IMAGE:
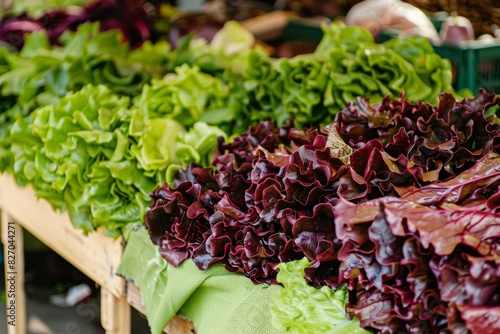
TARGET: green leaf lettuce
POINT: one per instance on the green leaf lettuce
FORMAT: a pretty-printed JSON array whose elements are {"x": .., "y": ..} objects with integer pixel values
[{"x": 301, "y": 309}]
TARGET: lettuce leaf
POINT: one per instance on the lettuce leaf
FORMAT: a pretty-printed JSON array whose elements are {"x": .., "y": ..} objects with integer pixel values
[
  {"x": 302, "y": 309},
  {"x": 187, "y": 96},
  {"x": 77, "y": 155},
  {"x": 427, "y": 261},
  {"x": 196, "y": 146},
  {"x": 40, "y": 74}
]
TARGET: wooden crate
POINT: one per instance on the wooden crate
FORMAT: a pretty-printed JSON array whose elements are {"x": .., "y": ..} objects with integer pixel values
[{"x": 96, "y": 255}]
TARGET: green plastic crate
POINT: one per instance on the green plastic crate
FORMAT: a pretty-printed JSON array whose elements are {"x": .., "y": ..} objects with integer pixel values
[
  {"x": 476, "y": 65},
  {"x": 299, "y": 29}
]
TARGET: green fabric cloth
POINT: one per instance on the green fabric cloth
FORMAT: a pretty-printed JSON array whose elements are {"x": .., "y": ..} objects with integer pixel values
[{"x": 215, "y": 300}]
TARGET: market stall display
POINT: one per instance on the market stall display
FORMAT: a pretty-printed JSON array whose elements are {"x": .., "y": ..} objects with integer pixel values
[
  {"x": 482, "y": 14},
  {"x": 345, "y": 178}
]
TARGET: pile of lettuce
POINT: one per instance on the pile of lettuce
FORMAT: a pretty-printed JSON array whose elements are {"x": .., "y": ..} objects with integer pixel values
[
  {"x": 280, "y": 194},
  {"x": 92, "y": 155},
  {"x": 77, "y": 155},
  {"x": 41, "y": 74},
  {"x": 347, "y": 63},
  {"x": 399, "y": 145},
  {"x": 428, "y": 261}
]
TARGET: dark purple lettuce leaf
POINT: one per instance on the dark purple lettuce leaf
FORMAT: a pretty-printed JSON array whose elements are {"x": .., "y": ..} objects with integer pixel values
[
  {"x": 400, "y": 146},
  {"x": 481, "y": 319},
  {"x": 238, "y": 215},
  {"x": 422, "y": 254},
  {"x": 476, "y": 185},
  {"x": 178, "y": 221},
  {"x": 409, "y": 221}
]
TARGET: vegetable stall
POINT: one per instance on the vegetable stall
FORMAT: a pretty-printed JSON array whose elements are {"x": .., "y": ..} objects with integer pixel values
[{"x": 351, "y": 189}]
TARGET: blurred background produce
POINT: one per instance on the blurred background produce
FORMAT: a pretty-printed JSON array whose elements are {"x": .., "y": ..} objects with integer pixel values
[
  {"x": 161, "y": 19},
  {"x": 483, "y": 14},
  {"x": 376, "y": 15}
]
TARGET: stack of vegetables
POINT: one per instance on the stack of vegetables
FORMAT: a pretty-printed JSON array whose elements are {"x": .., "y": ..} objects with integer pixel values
[
  {"x": 155, "y": 98},
  {"x": 38, "y": 77},
  {"x": 396, "y": 202},
  {"x": 311, "y": 89},
  {"x": 251, "y": 179}
]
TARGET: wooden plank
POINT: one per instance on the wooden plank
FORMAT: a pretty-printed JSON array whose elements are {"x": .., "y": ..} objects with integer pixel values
[
  {"x": 268, "y": 26},
  {"x": 96, "y": 255},
  {"x": 178, "y": 325},
  {"x": 134, "y": 297},
  {"x": 12, "y": 239},
  {"x": 115, "y": 313}
]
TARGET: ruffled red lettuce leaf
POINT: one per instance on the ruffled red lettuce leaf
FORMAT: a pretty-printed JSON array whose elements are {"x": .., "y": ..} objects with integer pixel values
[
  {"x": 399, "y": 145},
  {"x": 282, "y": 194},
  {"x": 178, "y": 220},
  {"x": 230, "y": 215},
  {"x": 422, "y": 254},
  {"x": 476, "y": 185},
  {"x": 480, "y": 319}
]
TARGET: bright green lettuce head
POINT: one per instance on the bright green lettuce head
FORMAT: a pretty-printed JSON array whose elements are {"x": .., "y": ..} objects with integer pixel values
[
  {"x": 361, "y": 67},
  {"x": 76, "y": 153},
  {"x": 303, "y": 309},
  {"x": 41, "y": 74},
  {"x": 187, "y": 96}
]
